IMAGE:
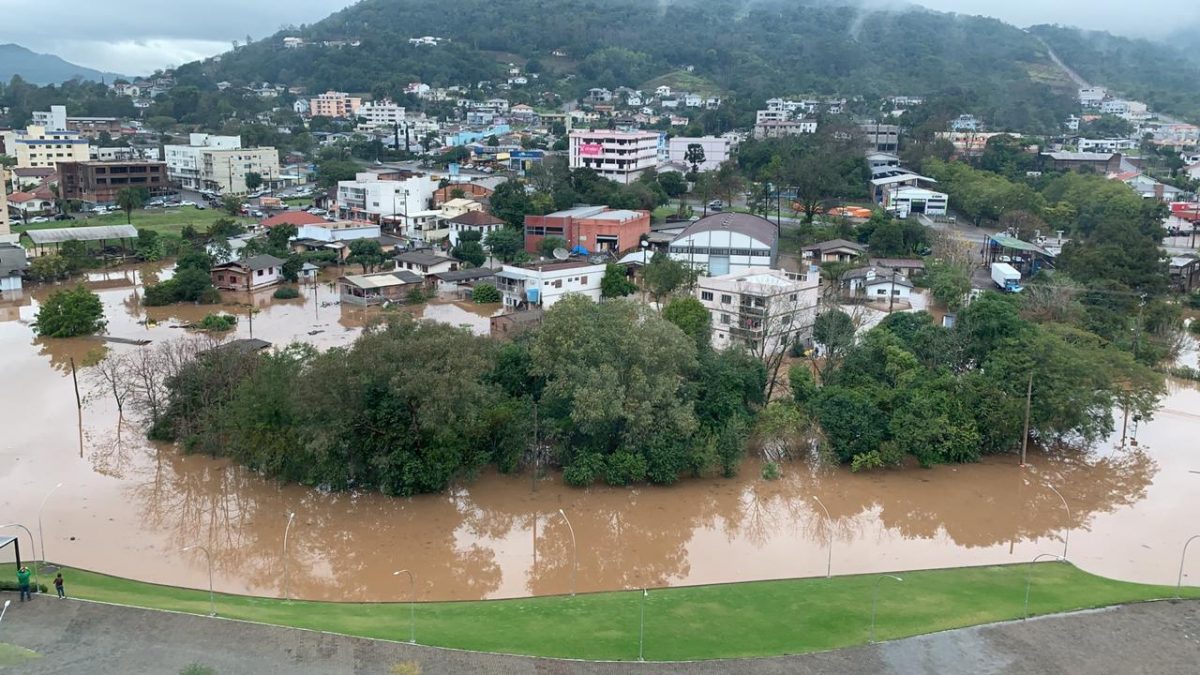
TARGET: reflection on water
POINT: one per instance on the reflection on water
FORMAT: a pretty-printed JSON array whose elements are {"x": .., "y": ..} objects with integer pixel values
[{"x": 128, "y": 506}]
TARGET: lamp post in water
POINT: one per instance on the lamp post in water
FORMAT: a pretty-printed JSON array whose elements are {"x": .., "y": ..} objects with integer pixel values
[
  {"x": 212, "y": 605},
  {"x": 574, "y": 551},
  {"x": 1067, "y": 529},
  {"x": 875, "y": 601},
  {"x": 1182, "y": 558},
  {"x": 291, "y": 517},
  {"x": 1029, "y": 578},
  {"x": 829, "y": 562},
  {"x": 41, "y": 539},
  {"x": 412, "y": 600}
]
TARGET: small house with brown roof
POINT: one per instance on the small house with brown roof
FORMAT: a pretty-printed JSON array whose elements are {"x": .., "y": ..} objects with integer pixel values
[
  {"x": 296, "y": 218},
  {"x": 251, "y": 274},
  {"x": 834, "y": 250},
  {"x": 473, "y": 221}
]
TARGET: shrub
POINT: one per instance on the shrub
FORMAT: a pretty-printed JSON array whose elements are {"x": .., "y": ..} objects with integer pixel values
[
  {"x": 218, "y": 322},
  {"x": 485, "y": 294},
  {"x": 584, "y": 470},
  {"x": 285, "y": 293},
  {"x": 1193, "y": 300},
  {"x": 1194, "y": 326},
  {"x": 624, "y": 468},
  {"x": 416, "y": 296},
  {"x": 70, "y": 312},
  {"x": 770, "y": 471},
  {"x": 197, "y": 669}
]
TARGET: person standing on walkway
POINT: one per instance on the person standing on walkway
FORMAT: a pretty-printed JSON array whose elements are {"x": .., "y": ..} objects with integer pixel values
[
  {"x": 23, "y": 582},
  {"x": 58, "y": 586}
]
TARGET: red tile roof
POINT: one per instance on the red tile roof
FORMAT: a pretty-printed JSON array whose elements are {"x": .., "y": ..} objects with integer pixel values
[{"x": 296, "y": 218}]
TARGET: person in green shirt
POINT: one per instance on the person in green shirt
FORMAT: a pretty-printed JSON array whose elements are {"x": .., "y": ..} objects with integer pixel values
[{"x": 23, "y": 581}]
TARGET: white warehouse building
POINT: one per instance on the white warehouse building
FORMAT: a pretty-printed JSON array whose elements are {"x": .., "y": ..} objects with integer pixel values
[{"x": 725, "y": 243}]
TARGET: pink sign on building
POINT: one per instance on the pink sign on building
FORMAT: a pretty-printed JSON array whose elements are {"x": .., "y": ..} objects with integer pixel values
[{"x": 591, "y": 149}]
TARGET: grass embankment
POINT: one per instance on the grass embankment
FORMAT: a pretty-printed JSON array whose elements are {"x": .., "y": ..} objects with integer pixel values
[{"x": 706, "y": 622}]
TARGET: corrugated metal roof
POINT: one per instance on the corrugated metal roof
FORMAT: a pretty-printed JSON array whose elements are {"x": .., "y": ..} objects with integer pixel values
[{"x": 93, "y": 233}]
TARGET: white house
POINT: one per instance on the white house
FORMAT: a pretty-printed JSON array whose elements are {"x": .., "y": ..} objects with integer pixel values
[
  {"x": 12, "y": 263},
  {"x": 250, "y": 274},
  {"x": 760, "y": 308},
  {"x": 425, "y": 262},
  {"x": 877, "y": 283},
  {"x": 541, "y": 284},
  {"x": 725, "y": 243},
  {"x": 473, "y": 221}
]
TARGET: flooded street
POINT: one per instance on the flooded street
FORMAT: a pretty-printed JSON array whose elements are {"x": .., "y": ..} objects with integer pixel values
[{"x": 128, "y": 507}]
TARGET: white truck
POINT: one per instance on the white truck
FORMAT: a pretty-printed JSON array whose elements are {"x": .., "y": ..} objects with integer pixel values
[{"x": 1006, "y": 277}]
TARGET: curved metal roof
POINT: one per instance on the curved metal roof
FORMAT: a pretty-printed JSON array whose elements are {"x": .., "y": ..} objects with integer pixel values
[
  {"x": 743, "y": 223},
  {"x": 93, "y": 233}
]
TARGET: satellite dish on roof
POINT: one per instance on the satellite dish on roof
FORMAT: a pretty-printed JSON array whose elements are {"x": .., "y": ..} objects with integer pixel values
[{"x": 561, "y": 254}]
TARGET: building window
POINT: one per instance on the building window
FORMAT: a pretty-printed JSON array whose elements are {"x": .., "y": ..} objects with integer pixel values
[
  {"x": 583, "y": 280},
  {"x": 706, "y": 295},
  {"x": 726, "y": 299},
  {"x": 725, "y": 319},
  {"x": 794, "y": 297}
]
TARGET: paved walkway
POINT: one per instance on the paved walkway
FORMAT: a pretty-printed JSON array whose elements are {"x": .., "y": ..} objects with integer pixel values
[{"x": 81, "y": 637}]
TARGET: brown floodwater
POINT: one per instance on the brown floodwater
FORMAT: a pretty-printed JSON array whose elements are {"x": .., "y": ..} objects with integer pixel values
[{"x": 128, "y": 507}]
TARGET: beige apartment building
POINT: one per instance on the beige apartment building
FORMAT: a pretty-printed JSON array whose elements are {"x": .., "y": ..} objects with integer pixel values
[{"x": 334, "y": 104}]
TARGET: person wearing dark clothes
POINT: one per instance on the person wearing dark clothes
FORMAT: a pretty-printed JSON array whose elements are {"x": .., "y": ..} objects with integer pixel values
[{"x": 58, "y": 586}]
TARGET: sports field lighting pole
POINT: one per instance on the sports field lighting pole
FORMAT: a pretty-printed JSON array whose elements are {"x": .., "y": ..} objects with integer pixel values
[
  {"x": 829, "y": 562},
  {"x": 642, "y": 628},
  {"x": 291, "y": 517},
  {"x": 1182, "y": 557},
  {"x": 412, "y": 603},
  {"x": 36, "y": 580},
  {"x": 875, "y": 601},
  {"x": 5, "y": 609},
  {"x": 41, "y": 539},
  {"x": 1067, "y": 529},
  {"x": 1029, "y": 578},
  {"x": 212, "y": 605},
  {"x": 574, "y": 551}
]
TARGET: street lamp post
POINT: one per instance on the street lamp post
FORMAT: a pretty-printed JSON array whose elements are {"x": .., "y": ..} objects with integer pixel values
[
  {"x": 1067, "y": 529},
  {"x": 1029, "y": 578},
  {"x": 1183, "y": 557},
  {"x": 574, "y": 551},
  {"x": 212, "y": 605},
  {"x": 875, "y": 601},
  {"x": 5, "y": 609},
  {"x": 291, "y": 517},
  {"x": 36, "y": 579},
  {"x": 42, "y": 539},
  {"x": 829, "y": 518},
  {"x": 412, "y": 603},
  {"x": 642, "y": 629}
]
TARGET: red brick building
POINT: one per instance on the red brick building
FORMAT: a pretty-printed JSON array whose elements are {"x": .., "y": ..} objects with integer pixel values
[
  {"x": 593, "y": 228},
  {"x": 99, "y": 182}
]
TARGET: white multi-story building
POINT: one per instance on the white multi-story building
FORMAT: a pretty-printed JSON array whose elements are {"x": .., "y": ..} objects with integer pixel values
[
  {"x": 1106, "y": 144},
  {"x": 218, "y": 163},
  {"x": 544, "y": 283},
  {"x": 47, "y": 141},
  {"x": 391, "y": 203},
  {"x": 786, "y": 128},
  {"x": 384, "y": 113},
  {"x": 1092, "y": 97},
  {"x": 716, "y": 150},
  {"x": 759, "y": 308},
  {"x": 621, "y": 156},
  {"x": 771, "y": 115}
]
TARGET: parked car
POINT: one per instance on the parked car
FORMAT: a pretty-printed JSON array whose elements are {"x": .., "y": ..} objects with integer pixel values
[
  {"x": 38, "y": 219},
  {"x": 200, "y": 207},
  {"x": 63, "y": 216}
]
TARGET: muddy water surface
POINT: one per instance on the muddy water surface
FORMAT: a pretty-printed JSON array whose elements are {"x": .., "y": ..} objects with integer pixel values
[{"x": 128, "y": 507}]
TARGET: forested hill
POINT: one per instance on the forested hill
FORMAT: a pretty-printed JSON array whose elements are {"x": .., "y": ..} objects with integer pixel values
[
  {"x": 749, "y": 49},
  {"x": 1156, "y": 73}
]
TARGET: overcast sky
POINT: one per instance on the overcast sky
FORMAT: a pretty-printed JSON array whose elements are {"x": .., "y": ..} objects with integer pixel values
[{"x": 137, "y": 36}]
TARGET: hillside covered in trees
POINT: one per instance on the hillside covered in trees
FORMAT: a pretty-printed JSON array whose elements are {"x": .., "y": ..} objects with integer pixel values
[{"x": 749, "y": 51}]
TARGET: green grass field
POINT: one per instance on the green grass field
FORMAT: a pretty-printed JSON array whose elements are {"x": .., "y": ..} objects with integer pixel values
[
  {"x": 766, "y": 618},
  {"x": 163, "y": 221}
]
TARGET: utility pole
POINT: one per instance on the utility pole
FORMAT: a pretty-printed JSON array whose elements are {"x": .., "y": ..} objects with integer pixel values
[
  {"x": 1137, "y": 335},
  {"x": 1028, "y": 405},
  {"x": 75, "y": 380},
  {"x": 536, "y": 449}
]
